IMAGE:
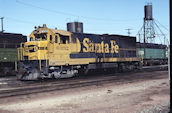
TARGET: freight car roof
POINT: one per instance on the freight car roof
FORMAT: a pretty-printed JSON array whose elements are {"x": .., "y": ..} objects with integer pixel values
[
  {"x": 11, "y": 40},
  {"x": 150, "y": 45},
  {"x": 10, "y": 33}
]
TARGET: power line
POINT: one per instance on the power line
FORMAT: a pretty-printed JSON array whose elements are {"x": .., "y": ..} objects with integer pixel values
[
  {"x": 162, "y": 33},
  {"x": 162, "y": 25},
  {"x": 21, "y": 21},
  {"x": 49, "y": 10},
  {"x": 26, "y": 22},
  {"x": 69, "y": 14},
  {"x": 158, "y": 35}
]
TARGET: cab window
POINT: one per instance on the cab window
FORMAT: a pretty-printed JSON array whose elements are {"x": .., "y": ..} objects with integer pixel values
[
  {"x": 44, "y": 36},
  {"x": 31, "y": 38},
  {"x": 56, "y": 39},
  {"x": 50, "y": 38},
  {"x": 37, "y": 37},
  {"x": 64, "y": 39}
]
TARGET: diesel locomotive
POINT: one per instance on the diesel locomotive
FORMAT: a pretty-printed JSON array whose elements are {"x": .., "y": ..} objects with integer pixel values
[{"x": 54, "y": 53}]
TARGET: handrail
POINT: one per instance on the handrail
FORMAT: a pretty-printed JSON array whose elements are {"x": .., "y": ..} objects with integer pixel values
[{"x": 20, "y": 52}]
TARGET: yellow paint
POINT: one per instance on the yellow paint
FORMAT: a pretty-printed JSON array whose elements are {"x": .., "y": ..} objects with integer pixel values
[
  {"x": 106, "y": 48},
  {"x": 114, "y": 47},
  {"x": 89, "y": 46},
  {"x": 15, "y": 66},
  {"x": 18, "y": 53},
  {"x": 40, "y": 65},
  {"x": 21, "y": 52}
]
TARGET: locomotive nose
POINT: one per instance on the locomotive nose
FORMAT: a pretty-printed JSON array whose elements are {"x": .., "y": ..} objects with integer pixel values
[
  {"x": 31, "y": 48},
  {"x": 35, "y": 50}
]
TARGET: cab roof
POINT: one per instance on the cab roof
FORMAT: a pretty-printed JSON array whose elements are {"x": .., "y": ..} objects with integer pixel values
[{"x": 62, "y": 32}]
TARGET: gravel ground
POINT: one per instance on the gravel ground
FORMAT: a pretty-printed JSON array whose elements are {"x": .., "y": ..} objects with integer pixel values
[
  {"x": 147, "y": 96},
  {"x": 160, "y": 108}
]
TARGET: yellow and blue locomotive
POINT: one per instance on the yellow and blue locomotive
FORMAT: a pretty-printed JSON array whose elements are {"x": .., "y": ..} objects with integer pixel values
[{"x": 62, "y": 54}]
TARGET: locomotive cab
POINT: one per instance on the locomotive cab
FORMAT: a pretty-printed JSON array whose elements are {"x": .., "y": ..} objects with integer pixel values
[{"x": 36, "y": 48}]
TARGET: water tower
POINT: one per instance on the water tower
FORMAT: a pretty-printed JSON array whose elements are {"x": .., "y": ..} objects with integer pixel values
[{"x": 149, "y": 32}]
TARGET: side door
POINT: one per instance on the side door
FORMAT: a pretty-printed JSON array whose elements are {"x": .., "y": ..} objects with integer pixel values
[
  {"x": 63, "y": 49},
  {"x": 51, "y": 44}
]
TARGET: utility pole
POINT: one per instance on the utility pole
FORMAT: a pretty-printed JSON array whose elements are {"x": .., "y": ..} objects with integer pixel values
[
  {"x": 128, "y": 31},
  {"x": 2, "y": 24}
]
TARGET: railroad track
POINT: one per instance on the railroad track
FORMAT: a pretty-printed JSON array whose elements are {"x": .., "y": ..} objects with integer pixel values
[{"x": 80, "y": 82}]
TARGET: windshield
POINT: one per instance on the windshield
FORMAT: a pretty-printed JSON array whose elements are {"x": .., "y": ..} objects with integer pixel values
[{"x": 39, "y": 37}]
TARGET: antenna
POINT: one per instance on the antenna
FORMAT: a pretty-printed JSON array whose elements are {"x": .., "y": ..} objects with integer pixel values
[{"x": 128, "y": 31}]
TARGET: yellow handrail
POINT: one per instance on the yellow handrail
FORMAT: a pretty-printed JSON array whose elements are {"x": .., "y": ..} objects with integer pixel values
[
  {"x": 46, "y": 60},
  {"x": 21, "y": 51},
  {"x": 40, "y": 64},
  {"x": 15, "y": 66},
  {"x": 18, "y": 53}
]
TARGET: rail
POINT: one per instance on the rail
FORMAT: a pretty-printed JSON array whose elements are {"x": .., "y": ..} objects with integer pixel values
[{"x": 33, "y": 88}]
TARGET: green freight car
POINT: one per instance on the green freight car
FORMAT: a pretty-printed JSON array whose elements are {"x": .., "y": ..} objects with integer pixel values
[
  {"x": 154, "y": 53},
  {"x": 9, "y": 42}
]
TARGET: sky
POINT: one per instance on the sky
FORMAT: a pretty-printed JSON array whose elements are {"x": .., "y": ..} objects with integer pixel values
[{"x": 98, "y": 16}]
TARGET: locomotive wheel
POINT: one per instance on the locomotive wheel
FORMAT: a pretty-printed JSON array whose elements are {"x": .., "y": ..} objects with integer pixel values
[{"x": 83, "y": 72}]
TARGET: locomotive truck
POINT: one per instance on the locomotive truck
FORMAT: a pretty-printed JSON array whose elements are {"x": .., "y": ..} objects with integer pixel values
[{"x": 62, "y": 54}]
